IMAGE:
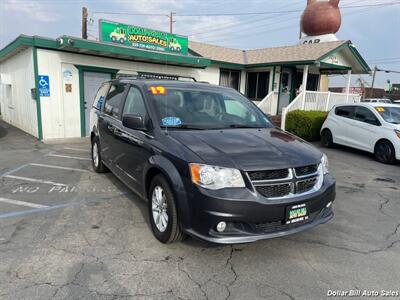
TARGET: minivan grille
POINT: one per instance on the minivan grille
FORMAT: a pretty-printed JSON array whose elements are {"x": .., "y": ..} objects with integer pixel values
[
  {"x": 268, "y": 175},
  {"x": 284, "y": 182},
  {"x": 306, "y": 170},
  {"x": 273, "y": 191},
  {"x": 306, "y": 185}
]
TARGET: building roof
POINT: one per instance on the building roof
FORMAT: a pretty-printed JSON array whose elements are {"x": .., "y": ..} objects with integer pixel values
[
  {"x": 202, "y": 55},
  {"x": 296, "y": 54},
  {"x": 307, "y": 52}
]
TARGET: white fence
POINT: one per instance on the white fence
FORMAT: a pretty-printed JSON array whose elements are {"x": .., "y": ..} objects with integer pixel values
[
  {"x": 269, "y": 105},
  {"x": 322, "y": 101}
]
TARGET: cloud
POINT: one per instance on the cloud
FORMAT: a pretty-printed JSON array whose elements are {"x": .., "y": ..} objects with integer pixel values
[{"x": 32, "y": 9}]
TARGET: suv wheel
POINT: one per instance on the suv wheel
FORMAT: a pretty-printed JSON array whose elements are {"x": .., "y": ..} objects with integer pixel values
[
  {"x": 385, "y": 153},
  {"x": 163, "y": 212},
  {"x": 97, "y": 162},
  {"x": 326, "y": 138}
]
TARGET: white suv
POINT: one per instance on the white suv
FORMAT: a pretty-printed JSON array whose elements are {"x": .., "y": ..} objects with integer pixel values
[{"x": 372, "y": 127}]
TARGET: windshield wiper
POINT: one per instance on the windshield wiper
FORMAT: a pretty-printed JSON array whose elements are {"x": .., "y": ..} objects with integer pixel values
[
  {"x": 243, "y": 126},
  {"x": 184, "y": 126}
]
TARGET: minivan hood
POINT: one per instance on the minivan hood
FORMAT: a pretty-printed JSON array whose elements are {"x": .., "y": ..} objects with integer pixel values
[{"x": 248, "y": 149}]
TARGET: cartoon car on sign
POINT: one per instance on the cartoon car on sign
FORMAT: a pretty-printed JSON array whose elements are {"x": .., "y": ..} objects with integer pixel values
[
  {"x": 174, "y": 45},
  {"x": 118, "y": 35}
]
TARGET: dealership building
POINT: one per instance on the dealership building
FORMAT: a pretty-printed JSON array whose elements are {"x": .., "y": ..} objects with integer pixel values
[{"x": 47, "y": 85}]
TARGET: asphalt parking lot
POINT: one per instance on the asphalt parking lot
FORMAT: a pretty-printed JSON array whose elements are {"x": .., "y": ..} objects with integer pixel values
[{"x": 68, "y": 233}]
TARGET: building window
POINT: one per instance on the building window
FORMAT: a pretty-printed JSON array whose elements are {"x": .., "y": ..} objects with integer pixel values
[
  {"x": 257, "y": 85},
  {"x": 229, "y": 78}
]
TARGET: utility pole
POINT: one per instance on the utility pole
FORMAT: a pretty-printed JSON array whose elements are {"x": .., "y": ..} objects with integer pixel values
[
  {"x": 373, "y": 81},
  {"x": 171, "y": 20},
  {"x": 84, "y": 23}
]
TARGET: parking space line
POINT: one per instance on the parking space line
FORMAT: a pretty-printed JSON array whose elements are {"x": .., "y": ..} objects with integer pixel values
[
  {"x": 13, "y": 170},
  {"x": 77, "y": 149},
  {"x": 59, "y": 167},
  {"x": 35, "y": 180},
  {"x": 67, "y": 156},
  {"x": 21, "y": 203},
  {"x": 30, "y": 211}
]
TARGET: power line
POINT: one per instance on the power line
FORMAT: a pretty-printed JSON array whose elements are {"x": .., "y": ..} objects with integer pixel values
[
  {"x": 284, "y": 20},
  {"x": 246, "y": 34},
  {"x": 281, "y": 11},
  {"x": 238, "y": 13},
  {"x": 230, "y": 24}
]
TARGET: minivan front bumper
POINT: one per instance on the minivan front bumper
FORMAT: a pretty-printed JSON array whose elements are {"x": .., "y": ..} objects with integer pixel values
[{"x": 251, "y": 217}]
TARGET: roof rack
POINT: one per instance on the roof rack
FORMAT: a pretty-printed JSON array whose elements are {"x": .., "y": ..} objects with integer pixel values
[{"x": 147, "y": 75}]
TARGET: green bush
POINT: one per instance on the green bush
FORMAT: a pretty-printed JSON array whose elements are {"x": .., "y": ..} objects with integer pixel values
[{"x": 305, "y": 124}]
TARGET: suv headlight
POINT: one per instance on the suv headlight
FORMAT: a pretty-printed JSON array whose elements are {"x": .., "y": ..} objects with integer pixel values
[
  {"x": 215, "y": 178},
  {"x": 325, "y": 164}
]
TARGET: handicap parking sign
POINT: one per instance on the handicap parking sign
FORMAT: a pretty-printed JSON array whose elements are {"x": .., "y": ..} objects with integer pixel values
[{"x": 44, "y": 86}]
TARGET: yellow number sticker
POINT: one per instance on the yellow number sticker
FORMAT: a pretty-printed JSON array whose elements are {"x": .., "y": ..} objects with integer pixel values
[
  {"x": 158, "y": 90},
  {"x": 380, "y": 109}
]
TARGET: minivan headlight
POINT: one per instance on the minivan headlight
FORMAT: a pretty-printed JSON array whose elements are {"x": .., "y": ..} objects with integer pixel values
[
  {"x": 215, "y": 178},
  {"x": 325, "y": 164}
]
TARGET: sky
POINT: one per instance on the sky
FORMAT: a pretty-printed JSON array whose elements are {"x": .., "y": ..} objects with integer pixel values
[{"x": 374, "y": 30}]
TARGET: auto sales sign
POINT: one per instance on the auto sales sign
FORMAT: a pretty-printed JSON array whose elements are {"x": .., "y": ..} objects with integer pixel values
[{"x": 140, "y": 37}]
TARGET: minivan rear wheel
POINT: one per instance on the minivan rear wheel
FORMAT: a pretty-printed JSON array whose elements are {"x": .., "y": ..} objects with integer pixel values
[
  {"x": 385, "y": 152},
  {"x": 326, "y": 138},
  {"x": 162, "y": 212}
]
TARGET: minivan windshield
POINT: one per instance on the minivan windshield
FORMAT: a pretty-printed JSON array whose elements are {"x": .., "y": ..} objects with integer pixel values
[
  {"x": 389, "y": 114},
  {"x": 188, "y": 108}
]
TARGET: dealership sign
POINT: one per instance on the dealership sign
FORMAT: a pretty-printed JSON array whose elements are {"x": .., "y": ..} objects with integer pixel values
[{"x": 143, "y": 38}]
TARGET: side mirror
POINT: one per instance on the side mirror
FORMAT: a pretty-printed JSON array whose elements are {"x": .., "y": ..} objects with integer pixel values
[{"x": 134, "y": 121}]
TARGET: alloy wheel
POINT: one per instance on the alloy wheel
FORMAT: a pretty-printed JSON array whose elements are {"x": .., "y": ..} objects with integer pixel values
[
  {"x": 159, "y": 208},
  {"x": 95, "y": 155}
]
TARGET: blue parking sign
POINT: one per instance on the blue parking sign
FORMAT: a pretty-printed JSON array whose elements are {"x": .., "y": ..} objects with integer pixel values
[{"x": 44, "y": 85}]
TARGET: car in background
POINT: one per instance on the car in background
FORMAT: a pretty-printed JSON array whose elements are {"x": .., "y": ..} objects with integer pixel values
[
  {"x": 372, "y": 127},
  {"x": 208, "y": 162},
  {"x": 376, "y": 100}
]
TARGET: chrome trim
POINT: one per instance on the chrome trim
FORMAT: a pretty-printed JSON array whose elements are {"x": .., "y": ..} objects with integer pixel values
[
  {"x": 319, "y": 175},
  {"x": 266, "y": 181},
  {"x": 308, "y": 175}
]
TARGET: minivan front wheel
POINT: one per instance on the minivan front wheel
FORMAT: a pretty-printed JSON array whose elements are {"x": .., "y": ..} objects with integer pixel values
[
  {"x": 162, "y": 211},
  {"x": 385, "y": 152},
  {"x": 97, "y": 162}
]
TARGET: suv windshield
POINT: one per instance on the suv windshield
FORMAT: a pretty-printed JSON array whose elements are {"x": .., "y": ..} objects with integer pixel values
[
  {"x": 188, "y": 108},
  {"x": 389, "y": 114}
]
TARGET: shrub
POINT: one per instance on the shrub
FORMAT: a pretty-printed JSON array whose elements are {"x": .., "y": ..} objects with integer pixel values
[{"x": 305, "y": 124}]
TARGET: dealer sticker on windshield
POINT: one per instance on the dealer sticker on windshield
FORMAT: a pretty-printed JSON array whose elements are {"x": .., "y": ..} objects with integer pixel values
[
  {"x": 158, "y": 90},
  {"x": 171, "y": 121},
  {"x": 296, "y": 213}
]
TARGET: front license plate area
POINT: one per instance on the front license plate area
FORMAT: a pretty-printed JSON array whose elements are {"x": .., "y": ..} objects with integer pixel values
[{"x": 296, "y": 213}]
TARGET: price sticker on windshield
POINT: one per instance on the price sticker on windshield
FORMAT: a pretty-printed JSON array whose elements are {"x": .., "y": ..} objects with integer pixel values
[
  {"x": 158, "y": 90},
  {"x": 380, "y": 109}
]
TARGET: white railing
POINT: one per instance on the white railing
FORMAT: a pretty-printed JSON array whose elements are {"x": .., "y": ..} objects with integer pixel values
[
  {"x": 269, "y": 105},
  {"x": 322, "y": 101}
]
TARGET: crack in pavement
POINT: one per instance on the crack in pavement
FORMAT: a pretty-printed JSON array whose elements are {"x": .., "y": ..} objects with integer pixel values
[
  {"x": 345, "y": 248},
  {"x": 229, "y": 262},
  {"x": 198, "y": 284},
  {"x": 382, "y": 204}
]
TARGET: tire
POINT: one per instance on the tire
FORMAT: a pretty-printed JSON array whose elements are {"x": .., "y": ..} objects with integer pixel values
[
  {"x": 327, "y": 138},
  {"x": 162, "y": 207},
  {"x": 121, "y": 40},
  {"x": 97, "y": 162},
  {"x": 385, "y": 152},
  {"x": 114, "y": 39}
]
